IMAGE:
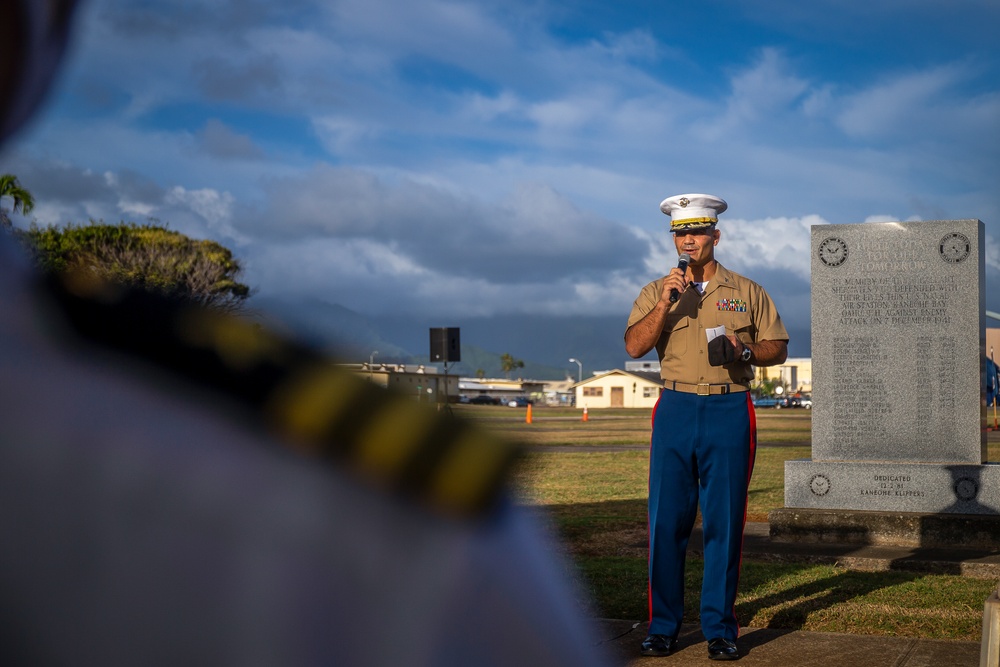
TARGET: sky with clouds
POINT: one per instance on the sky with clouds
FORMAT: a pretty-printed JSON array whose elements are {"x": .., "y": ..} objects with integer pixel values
[{"x": 498, "y": 157}]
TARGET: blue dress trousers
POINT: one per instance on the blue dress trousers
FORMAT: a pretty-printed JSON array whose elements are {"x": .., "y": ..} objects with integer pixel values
[{"x": 701, "y": 453}]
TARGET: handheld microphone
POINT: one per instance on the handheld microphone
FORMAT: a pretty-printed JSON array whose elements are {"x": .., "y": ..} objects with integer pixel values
[{"x": 682, "y": 264}]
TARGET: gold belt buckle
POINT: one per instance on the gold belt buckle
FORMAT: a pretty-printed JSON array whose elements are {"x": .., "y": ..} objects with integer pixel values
[{"x": 703, "y": 389}]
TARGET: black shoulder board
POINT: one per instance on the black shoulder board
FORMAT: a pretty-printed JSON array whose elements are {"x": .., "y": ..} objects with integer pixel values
[{"x": 299, "y": 394}]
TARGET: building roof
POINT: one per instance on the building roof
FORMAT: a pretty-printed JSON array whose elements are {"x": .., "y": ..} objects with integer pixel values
[{"x": 647, "y": 376}]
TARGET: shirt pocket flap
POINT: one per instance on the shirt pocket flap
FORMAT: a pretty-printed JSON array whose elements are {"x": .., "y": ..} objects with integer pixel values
[
  {"x": 676, "y": 322},
  {"x": 741, "y": 325}
]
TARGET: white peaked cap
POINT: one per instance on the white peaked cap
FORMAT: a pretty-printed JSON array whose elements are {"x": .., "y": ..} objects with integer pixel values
[{"x": 693, "y": 211}]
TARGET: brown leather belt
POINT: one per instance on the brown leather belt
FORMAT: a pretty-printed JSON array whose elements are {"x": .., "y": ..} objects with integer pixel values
[{"x": 705, "y": 389}]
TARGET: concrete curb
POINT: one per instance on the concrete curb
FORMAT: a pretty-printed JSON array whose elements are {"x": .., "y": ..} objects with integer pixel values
[
  {"x": 794, "y": 648},
  {"x": 980, "y": 563}
]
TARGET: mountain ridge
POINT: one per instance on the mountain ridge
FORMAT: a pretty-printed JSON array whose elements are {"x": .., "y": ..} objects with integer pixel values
[{"x": 545, "y": 343}]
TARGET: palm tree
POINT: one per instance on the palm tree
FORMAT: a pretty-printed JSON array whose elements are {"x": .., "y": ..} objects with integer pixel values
[
  {"x": 509, "y": 363},
  {"x": 10, "y": 187}
]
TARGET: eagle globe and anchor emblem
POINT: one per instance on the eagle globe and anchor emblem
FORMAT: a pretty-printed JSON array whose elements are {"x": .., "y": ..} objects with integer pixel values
[
  {"x": 833, "y": 251},
  {"x": 954, "y": 247},
  {"x": 819, "y": 485},
  {"x": 966, "y": 489}
]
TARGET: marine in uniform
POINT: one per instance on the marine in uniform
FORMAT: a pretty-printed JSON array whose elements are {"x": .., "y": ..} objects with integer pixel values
[
  {"x": 709, "y": 326},
  {"x": 181, "y": 487}
]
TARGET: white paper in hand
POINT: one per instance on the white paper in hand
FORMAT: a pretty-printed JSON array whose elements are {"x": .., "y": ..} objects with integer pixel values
[{"x": 712, "y": 334}]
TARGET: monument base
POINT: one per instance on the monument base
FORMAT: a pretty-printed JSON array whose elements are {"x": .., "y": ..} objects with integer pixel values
[
  {"x": 888, "y": 486},
  {"x": 898, "y": 529}
]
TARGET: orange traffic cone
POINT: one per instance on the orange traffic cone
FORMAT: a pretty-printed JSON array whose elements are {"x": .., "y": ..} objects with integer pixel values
[
  {"x": 527, "y": 419},
  {"x": 585, "y": 417}
]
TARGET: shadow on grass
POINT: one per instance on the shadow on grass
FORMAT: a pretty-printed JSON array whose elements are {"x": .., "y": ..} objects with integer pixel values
[
  {"x": 796, "y": 603},
  {"x": 586, "y": 518},
  {"x": 608, "y": 543}
]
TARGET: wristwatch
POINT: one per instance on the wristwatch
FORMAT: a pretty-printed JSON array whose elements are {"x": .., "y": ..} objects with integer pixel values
[{"x": 746, "y": 354}]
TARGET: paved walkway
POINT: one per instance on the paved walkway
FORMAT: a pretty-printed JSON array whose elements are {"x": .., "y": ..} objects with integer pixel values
[{"x": 795, "y": 648}]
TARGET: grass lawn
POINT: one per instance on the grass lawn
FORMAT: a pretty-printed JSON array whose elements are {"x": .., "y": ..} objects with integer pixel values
[{"x": 595, "y": 494}]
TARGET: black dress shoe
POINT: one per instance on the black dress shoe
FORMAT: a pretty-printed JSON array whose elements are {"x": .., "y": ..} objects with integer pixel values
[
  {"x": 722, "y": 649},
  {"x": 658, "y": 645}
]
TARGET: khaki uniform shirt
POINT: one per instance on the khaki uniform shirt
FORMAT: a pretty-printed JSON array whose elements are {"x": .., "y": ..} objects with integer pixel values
[{"x": 730, "y": 300}]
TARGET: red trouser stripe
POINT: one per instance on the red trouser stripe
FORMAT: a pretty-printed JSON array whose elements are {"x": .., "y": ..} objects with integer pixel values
[
  {"x": 649, "y": 584},
  {"x": 746, "y": 506}
]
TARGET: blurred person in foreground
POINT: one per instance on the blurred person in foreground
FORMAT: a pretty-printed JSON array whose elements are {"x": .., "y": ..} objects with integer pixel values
[
  {"x": 182, "y": 488},
  {"x": 709, "y": 327}
]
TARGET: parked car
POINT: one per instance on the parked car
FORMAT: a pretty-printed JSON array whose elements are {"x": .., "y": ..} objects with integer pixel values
[
  {"x": 520, "y": 402},
  {"x": 804, "y": 401},
  {"x": 484, "y": 400},
  {"x": 769, "y": 402}
]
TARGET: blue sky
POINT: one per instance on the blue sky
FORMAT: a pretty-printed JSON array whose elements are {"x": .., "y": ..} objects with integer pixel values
[{"x": 495, "y": 158}]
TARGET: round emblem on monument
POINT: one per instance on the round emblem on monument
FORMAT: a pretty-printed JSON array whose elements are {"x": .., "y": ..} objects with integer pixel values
[
  {"x": 966, "y": 488},
  {"x": 955, "y": 247},
  {"x": 833, "y": 251},
  {"x": 819, "y": 485}
]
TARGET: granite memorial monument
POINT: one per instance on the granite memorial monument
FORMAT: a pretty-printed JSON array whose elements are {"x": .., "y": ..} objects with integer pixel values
[{"x": 898, "y": 337}]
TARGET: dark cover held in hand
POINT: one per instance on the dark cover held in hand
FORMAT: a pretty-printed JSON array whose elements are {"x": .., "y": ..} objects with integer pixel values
[{"x": 721, "y": 351}]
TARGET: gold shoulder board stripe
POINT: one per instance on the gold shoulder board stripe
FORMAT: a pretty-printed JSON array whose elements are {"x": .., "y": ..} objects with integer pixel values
[{"x": 289, "y": 389}]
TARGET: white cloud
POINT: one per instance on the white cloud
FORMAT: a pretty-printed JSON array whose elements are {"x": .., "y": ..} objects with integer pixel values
[
  {"x": 560, "y": 115},
  {"x": 897, "y": 104},
  {"x": 921, "y": 106},
  {"x": 891, "y": 218},
  {"x": 771, "y": 243},
  {"x": 342, "y": 135},
  {"x": 768, "y": 85},
  {"x": 447, "y": 31},
  {"x": 215, "y": 207},
  {"x": 530, "y": 233},
  {"x": 495, "y": 155},
  {"x": 479, "y": 107},
  {"x": 637, "y": 45},
  {"x": 758, "y": 93},
  {"x": 992, "y": 253},
  {"x": 133, "y": 208}
]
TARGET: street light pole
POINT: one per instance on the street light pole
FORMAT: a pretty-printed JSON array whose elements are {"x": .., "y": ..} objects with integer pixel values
[{"x": 579, "y": 377}]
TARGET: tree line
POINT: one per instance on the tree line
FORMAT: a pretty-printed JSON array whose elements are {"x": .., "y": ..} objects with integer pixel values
[{"x": 148, "y": 257}]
